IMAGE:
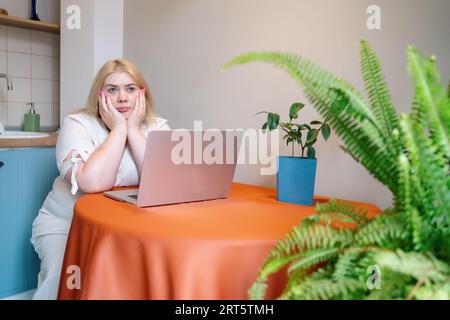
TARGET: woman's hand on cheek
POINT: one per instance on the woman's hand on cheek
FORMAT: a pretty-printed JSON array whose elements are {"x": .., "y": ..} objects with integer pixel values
[
  {"x": 137, "y": 116},
  {"x": 110, "y": 116}
]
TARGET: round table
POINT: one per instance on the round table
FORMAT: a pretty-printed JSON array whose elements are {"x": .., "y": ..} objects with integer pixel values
[{"x": 199, "y": 250}]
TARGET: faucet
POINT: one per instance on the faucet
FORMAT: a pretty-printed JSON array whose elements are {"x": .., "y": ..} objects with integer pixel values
[
  {"x": 8, "y": 80},
  {"x": 9, "y": 84}
]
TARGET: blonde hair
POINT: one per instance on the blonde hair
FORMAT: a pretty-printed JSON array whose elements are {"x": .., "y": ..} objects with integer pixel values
[{"x": 117, "y": 65}]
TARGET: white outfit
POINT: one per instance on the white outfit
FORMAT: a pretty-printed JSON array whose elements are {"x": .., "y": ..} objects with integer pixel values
[{"x": 83, "y": 133}]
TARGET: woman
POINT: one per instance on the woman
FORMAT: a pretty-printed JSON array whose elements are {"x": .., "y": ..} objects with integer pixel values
[{"x": 99, "y": 147}]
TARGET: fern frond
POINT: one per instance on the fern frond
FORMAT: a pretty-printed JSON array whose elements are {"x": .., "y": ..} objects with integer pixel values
[
  {"x": 319, "y": 289},
  {"x": 433, "y": 292},
  {"x": 297, "y": 244},
  {"x": 376, "y": 87},
  {"x": 312, "y": 258},
  {"x": 431, "y": 184},
  {"x": 420, "y": 188},
  {"x": 394, "y": 285},
  {"x": 403, "y": 199},
  {"x": 337, "y": 211},
  {"x": 302, "y": 238},
  {"x": 404, "y": 204},
  {"x": 258, "y": 290},
  {"x": 421, "y": 266},
  {"x": 384, "y": 230},
  {"x": 301, "y": 69},
  {"x": 430, "y": 99},
  {"x": 345, "y": 265}
]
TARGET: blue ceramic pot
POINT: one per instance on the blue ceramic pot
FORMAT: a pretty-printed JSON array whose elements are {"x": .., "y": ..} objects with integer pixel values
[{"x": 295, "y": 180}]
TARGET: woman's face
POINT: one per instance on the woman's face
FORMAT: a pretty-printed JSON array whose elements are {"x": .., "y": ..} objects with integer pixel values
[{"x": 122, "y": 90}]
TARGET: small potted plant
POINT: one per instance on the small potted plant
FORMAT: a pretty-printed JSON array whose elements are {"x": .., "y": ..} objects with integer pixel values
[{"x": 296, "y": 175}]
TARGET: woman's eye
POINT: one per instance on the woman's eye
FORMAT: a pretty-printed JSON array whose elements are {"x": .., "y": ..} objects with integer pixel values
[
  {"x": 131, "y": 89},
  {"x": 112, "y": 90}
]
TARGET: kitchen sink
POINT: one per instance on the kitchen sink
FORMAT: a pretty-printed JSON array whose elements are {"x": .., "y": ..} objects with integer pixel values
[{"x": 23, "y": 135}]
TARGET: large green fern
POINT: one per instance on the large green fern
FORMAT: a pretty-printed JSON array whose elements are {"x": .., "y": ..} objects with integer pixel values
[{"x": 410, "y": 154}]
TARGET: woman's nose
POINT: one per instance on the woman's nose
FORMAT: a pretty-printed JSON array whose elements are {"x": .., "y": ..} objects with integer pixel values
[{"x": 123, "y": 96}]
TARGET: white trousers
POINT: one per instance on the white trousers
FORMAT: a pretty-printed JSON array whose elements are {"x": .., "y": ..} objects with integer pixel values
[{"x": 50, "y": 249}]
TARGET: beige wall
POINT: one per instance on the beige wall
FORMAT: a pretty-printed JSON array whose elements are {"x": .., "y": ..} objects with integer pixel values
[{"x": 181, "y": 45}]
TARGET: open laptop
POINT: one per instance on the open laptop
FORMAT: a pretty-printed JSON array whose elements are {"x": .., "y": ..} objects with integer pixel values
[{"x": 178, "y": 167}]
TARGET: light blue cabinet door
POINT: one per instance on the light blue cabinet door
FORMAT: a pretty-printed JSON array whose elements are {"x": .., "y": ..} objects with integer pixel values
[{"x": 26, "y": 177}]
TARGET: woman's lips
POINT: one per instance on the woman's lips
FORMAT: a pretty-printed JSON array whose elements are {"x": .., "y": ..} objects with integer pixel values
[{"x": 123, "y": 110}]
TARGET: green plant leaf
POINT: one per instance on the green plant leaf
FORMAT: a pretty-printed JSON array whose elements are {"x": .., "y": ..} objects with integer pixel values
[
  {"x": 311, "y": 153},
  {"x": 326, "y": 131},
  {"x": 305, "y": 126},
  {"x": 311, "y": 143},
  {"x": 316, "y": 122},
  {"x": 264, "y": 127},
  {"x": 299, "y": 137},
  {"x": 312, "y": 136},
  {"x": 295, "y": 108},
  {"x": 273, "y": 120},
  {"x": 289, "y": 140}
]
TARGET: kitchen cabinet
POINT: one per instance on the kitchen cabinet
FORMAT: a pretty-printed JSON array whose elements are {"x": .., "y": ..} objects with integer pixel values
[{"x": 26, "y": 177}]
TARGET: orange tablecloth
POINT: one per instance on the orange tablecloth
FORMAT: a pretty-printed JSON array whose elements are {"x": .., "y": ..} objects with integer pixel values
[{"x": 198, "y": 250}]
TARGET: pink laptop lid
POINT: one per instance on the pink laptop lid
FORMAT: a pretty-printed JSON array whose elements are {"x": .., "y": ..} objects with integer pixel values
[{"x": 180, "y": 167}]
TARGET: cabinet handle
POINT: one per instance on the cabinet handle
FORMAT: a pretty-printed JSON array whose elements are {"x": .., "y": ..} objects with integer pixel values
[{"x": 1, "y": 164}]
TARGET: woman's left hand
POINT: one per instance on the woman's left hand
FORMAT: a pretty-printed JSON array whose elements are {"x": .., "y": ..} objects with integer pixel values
[{"x": 137, "y": 116}]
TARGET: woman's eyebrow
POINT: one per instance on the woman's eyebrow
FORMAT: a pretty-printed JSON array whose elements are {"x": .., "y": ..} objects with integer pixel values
[{"x": 116, "y": 86}]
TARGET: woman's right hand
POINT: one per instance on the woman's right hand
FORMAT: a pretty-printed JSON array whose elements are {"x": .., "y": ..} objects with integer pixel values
[{"x": 112, "y": 118}]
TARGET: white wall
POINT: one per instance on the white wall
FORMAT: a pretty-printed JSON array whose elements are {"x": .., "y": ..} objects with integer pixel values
[
  {"x": 108, "y": 31},
  {"x": 181, "y": 45},
  {"x": 84, "y": 50},
  {"x": 77, "y": 57}
]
